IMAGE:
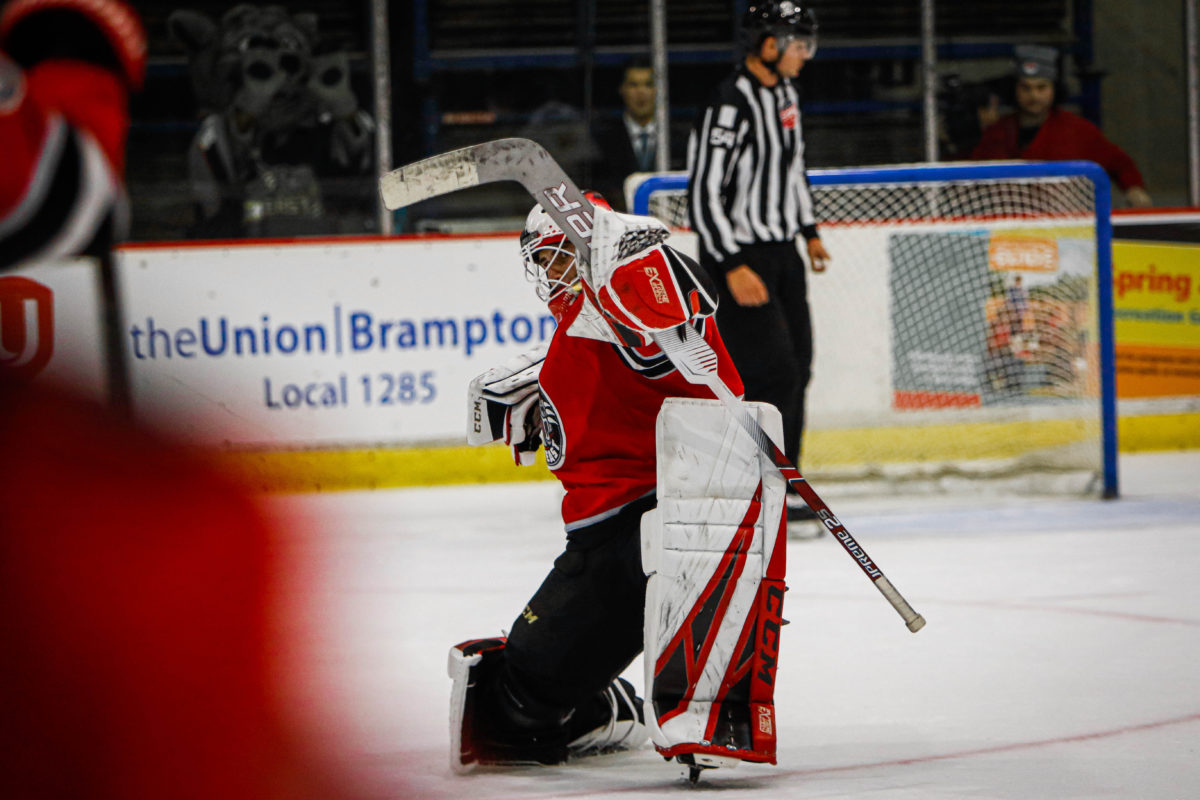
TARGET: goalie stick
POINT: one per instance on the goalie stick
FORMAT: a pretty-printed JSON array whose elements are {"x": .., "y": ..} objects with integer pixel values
[
  {"x": 527, "y": 163},
  {"x": 696, "y": 361}
]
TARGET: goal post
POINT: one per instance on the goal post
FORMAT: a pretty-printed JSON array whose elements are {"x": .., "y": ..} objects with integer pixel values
[{"x": 963, "y": 331}]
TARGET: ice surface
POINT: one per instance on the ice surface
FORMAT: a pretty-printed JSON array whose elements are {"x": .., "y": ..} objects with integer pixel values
[{"x": 1061, "y": 658}]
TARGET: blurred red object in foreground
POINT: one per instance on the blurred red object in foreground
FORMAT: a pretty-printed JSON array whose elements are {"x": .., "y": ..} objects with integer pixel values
[{"x": 136, "y": 642}]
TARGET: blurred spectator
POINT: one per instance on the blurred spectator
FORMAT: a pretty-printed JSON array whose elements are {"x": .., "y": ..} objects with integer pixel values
[
  {"x": 1041, "y": 131},
  {"x": 967, "y": 110},
  {"x": 559, "y": 126},
  {"x": 284, "y": 148},
  {"x": 629, "y": 143}
]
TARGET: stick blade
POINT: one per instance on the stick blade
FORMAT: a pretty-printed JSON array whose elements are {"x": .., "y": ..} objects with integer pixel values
[
  {"x": 431, "y": 177},
  {"x": 521, "y": 160}
]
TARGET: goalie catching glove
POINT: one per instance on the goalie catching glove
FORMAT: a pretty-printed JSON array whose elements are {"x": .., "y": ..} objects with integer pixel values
[
  {"x": 502, "y": 403},
  {"x": 641, "y": 284}
]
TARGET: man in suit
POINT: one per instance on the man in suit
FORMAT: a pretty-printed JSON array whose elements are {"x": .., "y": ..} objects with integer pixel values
[{"x": 629, "y": 143}]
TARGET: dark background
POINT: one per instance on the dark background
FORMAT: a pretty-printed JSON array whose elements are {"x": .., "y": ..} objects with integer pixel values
[{"x": 466, "y": 71}]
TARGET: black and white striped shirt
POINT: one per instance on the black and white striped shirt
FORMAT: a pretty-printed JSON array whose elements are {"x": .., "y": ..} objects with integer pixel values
[{"x": 746, "y": 177}]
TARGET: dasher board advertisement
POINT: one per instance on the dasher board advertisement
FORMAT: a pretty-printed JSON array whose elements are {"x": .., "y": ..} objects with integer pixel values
[
  {"x": 323, "y": 344},
  {"x": 51, "y": 328},
  {"x": 1156, "y": 313}
]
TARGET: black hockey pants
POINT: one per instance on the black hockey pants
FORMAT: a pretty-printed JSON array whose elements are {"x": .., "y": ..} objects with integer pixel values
[{"x": 583, "y": 626}]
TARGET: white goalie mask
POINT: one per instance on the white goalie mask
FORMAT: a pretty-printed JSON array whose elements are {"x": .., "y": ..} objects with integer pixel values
[{"x": 548, "y": 254}]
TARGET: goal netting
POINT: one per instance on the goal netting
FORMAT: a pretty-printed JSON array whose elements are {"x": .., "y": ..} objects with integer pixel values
[{"x": 963, "y": 332}]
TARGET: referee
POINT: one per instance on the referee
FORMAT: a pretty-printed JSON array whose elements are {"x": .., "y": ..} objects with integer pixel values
[{"x": 748, "y": 199}]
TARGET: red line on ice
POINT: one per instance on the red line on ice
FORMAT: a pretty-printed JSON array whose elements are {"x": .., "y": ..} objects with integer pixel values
[
  {"x": 773, "y": 775},
  {"x": 1005, "y": 748}
]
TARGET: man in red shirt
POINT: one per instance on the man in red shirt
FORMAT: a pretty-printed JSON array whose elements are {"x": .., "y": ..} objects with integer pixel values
[{"x": 1041, "y": 131}]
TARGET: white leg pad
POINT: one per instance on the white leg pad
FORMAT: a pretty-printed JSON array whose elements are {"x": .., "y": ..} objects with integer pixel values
[{"x": 713, "y": 549}]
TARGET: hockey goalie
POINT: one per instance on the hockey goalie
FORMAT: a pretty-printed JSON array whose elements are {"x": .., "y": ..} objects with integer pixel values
[{"x": 674, "y": 525}]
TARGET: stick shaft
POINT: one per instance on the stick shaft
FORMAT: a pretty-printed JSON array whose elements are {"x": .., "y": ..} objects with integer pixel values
[
  {"x": 528, "y": 163},
  {"x": 696, "y": 362}
]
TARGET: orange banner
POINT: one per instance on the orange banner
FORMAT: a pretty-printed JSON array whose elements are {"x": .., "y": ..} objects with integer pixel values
[
  {"x": 1156, "y": 312},
  {"x": 1023, "y": 253},
  {"x": 1153, "y": 371}
]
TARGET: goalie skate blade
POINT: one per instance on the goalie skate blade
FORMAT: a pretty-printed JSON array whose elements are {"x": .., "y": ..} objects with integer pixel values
[{"x": 697, "y": 763}]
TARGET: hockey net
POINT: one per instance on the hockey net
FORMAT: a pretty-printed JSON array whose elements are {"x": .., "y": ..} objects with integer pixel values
[{"x": 961, "y": 334}]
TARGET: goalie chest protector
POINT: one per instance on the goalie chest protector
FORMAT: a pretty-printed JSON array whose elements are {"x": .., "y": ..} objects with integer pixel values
[{"x": 599, "y": 405}]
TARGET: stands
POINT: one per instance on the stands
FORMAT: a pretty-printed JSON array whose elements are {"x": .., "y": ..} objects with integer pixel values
[{"x": 465, "y": 71}]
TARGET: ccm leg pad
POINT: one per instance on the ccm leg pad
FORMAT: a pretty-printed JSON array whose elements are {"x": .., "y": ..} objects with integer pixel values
[{"x": 714, "y": 552}]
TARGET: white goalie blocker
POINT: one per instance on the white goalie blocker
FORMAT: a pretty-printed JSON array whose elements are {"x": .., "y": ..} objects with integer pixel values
[
  {"x": 714, "y": 551},
  {"x": 502, "y": 404}
]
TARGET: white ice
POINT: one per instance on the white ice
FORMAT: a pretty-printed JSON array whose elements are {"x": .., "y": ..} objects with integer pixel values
[{"x": 1061, "y": 657}]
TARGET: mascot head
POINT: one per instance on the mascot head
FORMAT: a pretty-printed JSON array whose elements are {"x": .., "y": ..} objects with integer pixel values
[{"x": 257, "y": 62}]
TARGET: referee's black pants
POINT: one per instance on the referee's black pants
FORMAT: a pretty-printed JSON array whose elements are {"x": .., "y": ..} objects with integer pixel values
[{"x": 772, "y": 345}]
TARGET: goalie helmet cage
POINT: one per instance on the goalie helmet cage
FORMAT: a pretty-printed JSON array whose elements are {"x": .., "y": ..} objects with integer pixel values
[{"x": 964, "y": 334}]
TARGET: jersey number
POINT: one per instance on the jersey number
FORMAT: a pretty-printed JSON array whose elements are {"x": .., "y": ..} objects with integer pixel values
[{"x": 721, "y": 138}]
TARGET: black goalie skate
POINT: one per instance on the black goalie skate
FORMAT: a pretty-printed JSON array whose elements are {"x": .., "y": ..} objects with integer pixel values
[
  {"x": 610, "y": 721},
  {"x": 485, "y": 731}
]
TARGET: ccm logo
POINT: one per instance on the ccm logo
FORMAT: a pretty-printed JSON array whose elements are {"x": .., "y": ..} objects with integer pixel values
[
  {"x": 768, "y": 644},
  {"x": 26, "y": 327},
  {"x": 766, "y": 724},
  {"x": 477, "y": 416}
]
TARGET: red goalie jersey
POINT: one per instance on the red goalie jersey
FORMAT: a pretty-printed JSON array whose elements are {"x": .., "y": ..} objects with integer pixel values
[{"x": 599, "y": 404}]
